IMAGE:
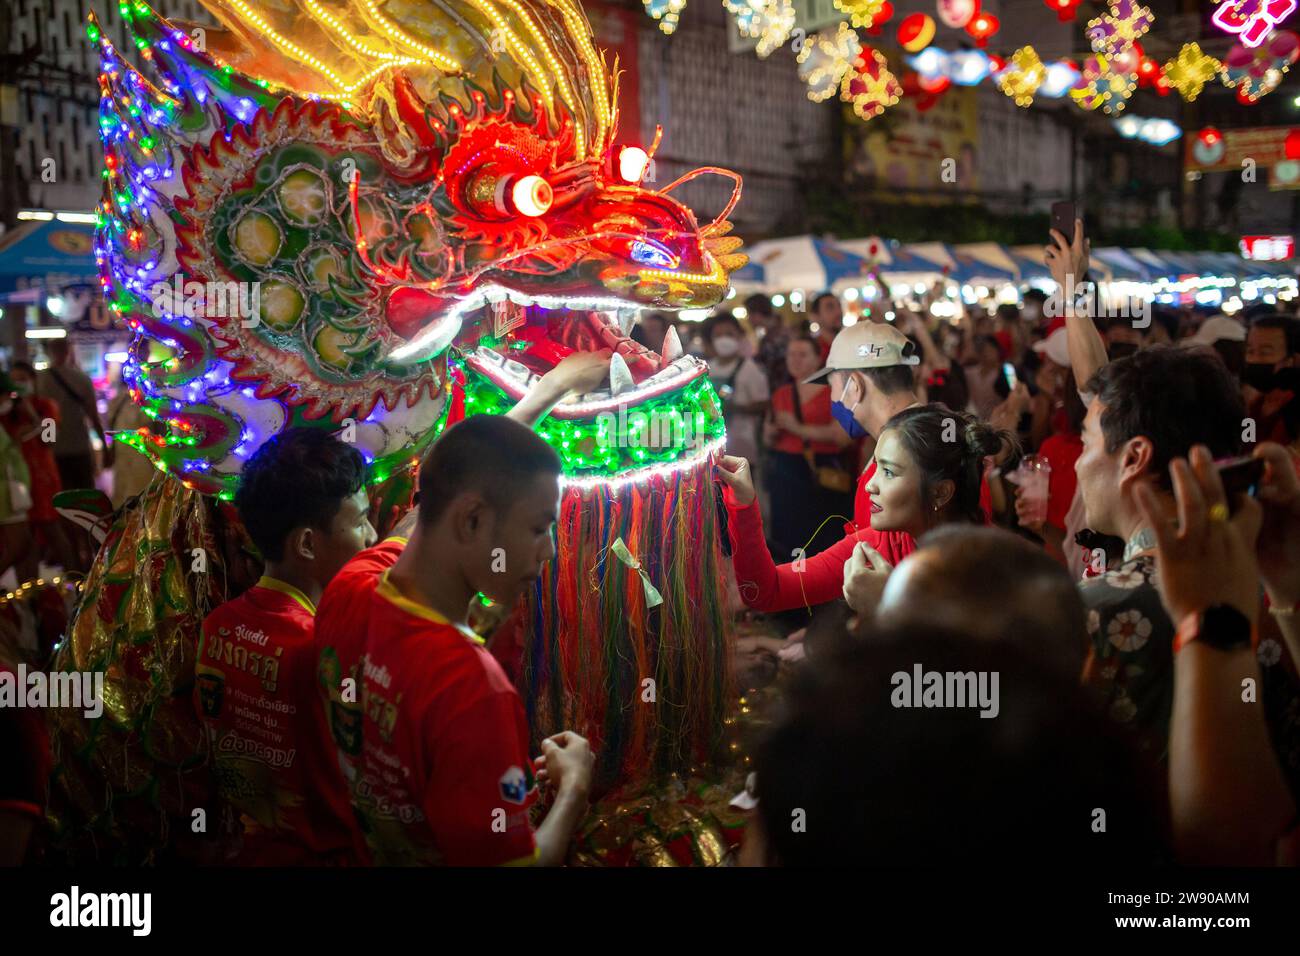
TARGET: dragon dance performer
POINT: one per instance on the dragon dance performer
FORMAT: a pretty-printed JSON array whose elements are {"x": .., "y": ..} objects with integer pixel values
[{"x": 374, "y": 219}]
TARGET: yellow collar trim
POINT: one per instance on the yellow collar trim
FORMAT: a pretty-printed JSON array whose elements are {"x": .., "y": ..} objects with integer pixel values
[
  {"x": 388, "y": 591},
  {"x": 275, "y": 584}
]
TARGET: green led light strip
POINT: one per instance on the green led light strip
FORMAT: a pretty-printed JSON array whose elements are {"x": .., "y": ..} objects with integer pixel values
[{"x": 660, "y": 430}]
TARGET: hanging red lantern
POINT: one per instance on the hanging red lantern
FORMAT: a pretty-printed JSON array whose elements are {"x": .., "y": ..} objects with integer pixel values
[
  {"x": 1065, "y": 9},
  {"x": 1209, "y": 136},
  {"x": 957, "y": 13},
  {"x": 998, "y": 64},
  {"x": 935, "y": 85},
  {"x": 1148, "y": 71},
  {"x": 1161, "y": 84},
  {"x": 916, "y": 32},
  {"x": 982, "y": 26},
  {"x": 1292, "y": 144}
]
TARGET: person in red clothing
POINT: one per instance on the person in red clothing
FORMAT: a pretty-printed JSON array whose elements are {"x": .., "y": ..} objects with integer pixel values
[
  {"x": 344, "y": 611},
  {"x": 445, "y": 772},
  {"x": 24, "y": 779},
  {"x": 30, "y": 422},
  {"x": 1061, "y": 449},
  {"x": 870, "y": 373},
  {"x": 806, "y": 456},
  {"x": 302, "y": 499}
]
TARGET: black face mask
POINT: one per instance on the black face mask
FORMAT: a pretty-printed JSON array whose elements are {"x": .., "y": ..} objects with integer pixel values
[
  {"x": 1259, "y": 376},
  {"x": 1119, "y": 350}
]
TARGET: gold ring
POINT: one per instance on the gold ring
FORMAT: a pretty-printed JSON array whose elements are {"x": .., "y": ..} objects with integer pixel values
[{"x": 1219, "y": 512}]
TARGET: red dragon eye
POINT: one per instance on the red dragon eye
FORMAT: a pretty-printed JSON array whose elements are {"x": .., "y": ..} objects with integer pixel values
[
  {"x": 531, "y": 195},
  {"x": 496, "y": 194}
]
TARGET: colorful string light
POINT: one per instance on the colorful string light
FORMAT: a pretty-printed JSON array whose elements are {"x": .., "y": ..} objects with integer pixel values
[
  {"x": 826, "y": 60},
  {"x": 1190, "y": 70},
  {"x": 1024, "y": 74}
]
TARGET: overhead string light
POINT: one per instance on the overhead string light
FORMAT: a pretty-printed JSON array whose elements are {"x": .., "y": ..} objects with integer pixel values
[
  {"x": 767, "y": 21},
  {"x": 1190, "y": 70},
  {"x": 1023, "y": 76},
  {"x": 666, "y": 13},
  {"x": 826, "y": 59}
]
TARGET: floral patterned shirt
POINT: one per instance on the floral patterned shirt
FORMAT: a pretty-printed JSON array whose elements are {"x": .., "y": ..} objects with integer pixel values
[{"x": 1130, "y": 660}]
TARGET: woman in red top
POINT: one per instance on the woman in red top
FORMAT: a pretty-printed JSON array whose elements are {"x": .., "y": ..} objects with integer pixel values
[
  {"x": 929, "y": 471},
  {"x": 801, "y": 434}
]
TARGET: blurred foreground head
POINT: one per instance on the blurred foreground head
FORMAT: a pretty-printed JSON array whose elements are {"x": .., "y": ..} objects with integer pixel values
[
  {"x": 846, "y": 777},
  {"x": 993, "y": 585}
]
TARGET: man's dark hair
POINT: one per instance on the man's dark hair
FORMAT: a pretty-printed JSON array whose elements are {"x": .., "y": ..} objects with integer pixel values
[
  {"x": 1290, "y": 329},
  {"x": 298, "y": 478},
  {"x": 881, "y": 784},
  {"x": 719, "y": 321},
  {"x": 811, "y": 340},
  {"x": 1175, "y": 397},
  {"x": 817, "y": 302},
  {"x": 996, "y": 582},
  {"x": 1008, "y": 312},
  {"x": 890, "y": 379},
  {"x": 1233, "y": 356},
  {"x": 1166, "y": 318},
  {"x": 759, "y": 304},
  {"x": 491, "y": 454}
]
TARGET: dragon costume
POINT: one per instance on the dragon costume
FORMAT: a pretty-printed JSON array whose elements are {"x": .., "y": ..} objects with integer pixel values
[{"x": 374, "y": 216}]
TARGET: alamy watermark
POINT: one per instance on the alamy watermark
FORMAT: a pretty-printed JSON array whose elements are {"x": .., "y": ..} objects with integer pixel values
[
  {"x": 948, "y": 689},
  {"x": 653, "y": 428},
  {"x": 1084, "y": 300},
  {"x": 214, "y": 300},
  {"x": 79, "y": 690}
]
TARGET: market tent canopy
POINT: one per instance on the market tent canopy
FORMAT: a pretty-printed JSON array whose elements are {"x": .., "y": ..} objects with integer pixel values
[
  {"x": 961, "y": 267},
  {"x": 1185, "y": 262},
  {"x": 891, "y": 258},
  {"x": 1021, "y": 267},
  {"x": 53, "y": 252},
  {"x": 1121, "y": 264},
  {"x": 1156, "y": 266},
  {"x": 804, "y": 262}
]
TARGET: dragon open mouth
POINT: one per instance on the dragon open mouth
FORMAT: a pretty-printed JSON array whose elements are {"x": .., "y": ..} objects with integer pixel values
[{"x": 520, "y": 337}]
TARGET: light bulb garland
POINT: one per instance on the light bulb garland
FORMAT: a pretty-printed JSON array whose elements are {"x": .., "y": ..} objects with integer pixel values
[
  {"x": 1190, "y": 70},
  {"x": 863, "y": 13},
  {"x": 870, "y": 88},
  {"x": 767, "y": 21},
  {"x": 665, "y": 12},
  {"x": 826, "y": 60},
  {"x": 1024, "y": 74}
]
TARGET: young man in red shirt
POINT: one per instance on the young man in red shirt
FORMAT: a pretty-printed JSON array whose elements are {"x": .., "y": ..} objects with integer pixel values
[
  {"x": 344, "y": 611},
  {"x": 445, "y": 775},
  {"x": 303, "y": 501}
]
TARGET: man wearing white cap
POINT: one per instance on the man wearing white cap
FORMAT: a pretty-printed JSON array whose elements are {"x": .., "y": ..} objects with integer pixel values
[{"x": 870, "y": 371}]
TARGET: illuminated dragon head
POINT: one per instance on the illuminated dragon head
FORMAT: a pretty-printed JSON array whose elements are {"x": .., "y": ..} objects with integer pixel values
[{"x": 307, "y": 210}]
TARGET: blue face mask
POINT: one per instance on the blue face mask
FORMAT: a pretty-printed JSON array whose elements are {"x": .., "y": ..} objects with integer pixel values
[{"x": 844, "y": 415}]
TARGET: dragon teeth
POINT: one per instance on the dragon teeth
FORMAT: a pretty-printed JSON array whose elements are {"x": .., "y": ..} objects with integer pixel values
[
  {"x": 626, "y": 318},
  {"x": 672, "y": 349},
  {"x": 620, "y": 376}
]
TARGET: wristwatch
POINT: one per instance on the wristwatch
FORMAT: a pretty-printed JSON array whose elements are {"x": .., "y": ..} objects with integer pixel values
[{"x": 1222, "y": 627}]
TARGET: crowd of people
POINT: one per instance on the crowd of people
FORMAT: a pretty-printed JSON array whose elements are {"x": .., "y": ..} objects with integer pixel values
[{"x": 1094, "y": 524}]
